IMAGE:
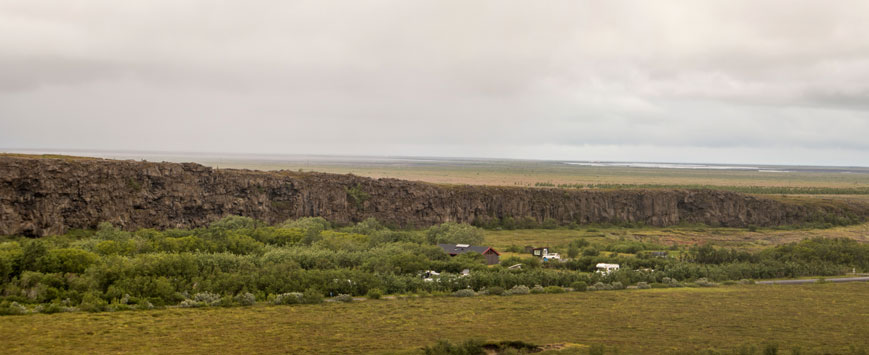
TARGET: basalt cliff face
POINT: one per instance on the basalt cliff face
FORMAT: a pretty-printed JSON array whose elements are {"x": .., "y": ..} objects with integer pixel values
[{"x": 40, "y": 197}]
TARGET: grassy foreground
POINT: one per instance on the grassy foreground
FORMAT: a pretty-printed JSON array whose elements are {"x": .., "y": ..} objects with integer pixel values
[{"x": 817, "y": 318}]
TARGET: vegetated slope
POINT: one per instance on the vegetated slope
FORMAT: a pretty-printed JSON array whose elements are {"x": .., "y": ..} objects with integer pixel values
[{"x": 48, "y": 196}]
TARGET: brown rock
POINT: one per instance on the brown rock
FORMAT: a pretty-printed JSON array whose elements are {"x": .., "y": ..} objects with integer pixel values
[{"x": 40, "y": 197}]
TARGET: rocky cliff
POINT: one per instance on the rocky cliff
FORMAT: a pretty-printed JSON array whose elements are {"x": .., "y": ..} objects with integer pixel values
[{"x": 48, "y": 196}]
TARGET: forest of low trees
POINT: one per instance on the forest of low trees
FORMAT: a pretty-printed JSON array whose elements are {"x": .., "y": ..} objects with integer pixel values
[{"x": 239, "y": 260}]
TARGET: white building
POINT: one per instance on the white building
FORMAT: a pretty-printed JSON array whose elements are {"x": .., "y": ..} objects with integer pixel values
[{"x": 605, "y": 268}]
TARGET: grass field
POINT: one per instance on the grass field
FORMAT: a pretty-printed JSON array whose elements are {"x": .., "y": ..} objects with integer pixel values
[
  {"x": 531, "y": 173},
  {"x": 726, "y": 237},
  {"x": 816, "y": 318}
]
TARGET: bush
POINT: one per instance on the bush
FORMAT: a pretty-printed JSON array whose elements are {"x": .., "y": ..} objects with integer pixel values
[
  {"x": 465, "y": 293},
  {"x": 14, "y": 309},
  {"x": 596, "y": 349},
  {"x": 703, "y": 282},
  {"x": 495, "y": 291},
  {"x": 207, "y": 298},
  {"x": 600, "y": 286},
  {"x": 245, "y": 299},
  {"x": 288, "y": 298},
  {"x": 374, "y": 294},
  {"x": 553, "y": 289},
  {"x": 91, "y": 302},
  {"x": 538, "y": 289},
  {"x": 518, "y": 290},
  {"x": 671, "y": 282},
  {"x": 443, "y": 347},
  {"x": 618, "y": 285},
  {"x": 746, "y": 282},
  {"x": 579, "y": 286},
  {"x": 454, "y": 233},
  {"x": 344, "y": 298},
  {"x": 643, "y": 285},
  {"x": 312, "y": 296},
  {"x": 188, "y": 303},
  {"x": 50, "y": 308},
  {"x": 659, "y": 285}
]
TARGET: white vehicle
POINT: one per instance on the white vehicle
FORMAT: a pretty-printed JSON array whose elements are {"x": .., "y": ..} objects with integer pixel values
[
  {"x": 551, "y": 256},
  {"x": 544, "y": 254},
  {"x": 604, "y": 268},
  {"x": 430, "y": 275}
]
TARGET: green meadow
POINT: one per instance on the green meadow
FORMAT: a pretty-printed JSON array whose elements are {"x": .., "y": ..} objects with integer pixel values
[{"x": 815, "y": 318}]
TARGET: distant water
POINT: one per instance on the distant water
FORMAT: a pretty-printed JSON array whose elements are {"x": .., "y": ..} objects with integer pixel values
[
  {"x": 679, "y": 166},
  {"x": 270, "y": 161}
]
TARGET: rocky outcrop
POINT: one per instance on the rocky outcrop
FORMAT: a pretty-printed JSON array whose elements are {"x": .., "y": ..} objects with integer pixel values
[{"x": 48, "y": 196}]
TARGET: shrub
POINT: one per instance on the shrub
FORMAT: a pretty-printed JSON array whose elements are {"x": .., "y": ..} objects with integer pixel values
[
  {"x": 538, "y": 289},
  {"x": 245, "y": 299},
  {"x": 188, "y": 303},
  {"x": 659, "y": 285},
  {"x": 206, "y": 298},
  {"x": 643, "y": 285},
  {"x": 91, "y": 302},
  {"x": 590, "y": 252},
  {"x": 14, "y": 309},
  {"x": 553, "y": 289},
  {"x": 618, "y": 285},
  {"x": 51, "y": 308},
  {"x": 451, "y": 232},
  {"x": 518, "y": 290},
  {"x": 671, "y": 282},
  {"x": 579, "y": 286},
  {"x": 374, "y": 294},
  {"x": 572, "y": 251},
  {"x": 703, "y": 282},
  {"x": 746, "y": 282},
  {"x": 770, "y": 349},
  {"x": 312, "y": 296},
  {"x": 596, "y": 349},
  {"x": 344, "y": 298},
  {"x": 464, "y": 293},
  {"x": 288, "y": 298},
  {"x": 600, "y": 286},
  {"x": 443, "y": 347},
  {"x": 495, "y": 291}
]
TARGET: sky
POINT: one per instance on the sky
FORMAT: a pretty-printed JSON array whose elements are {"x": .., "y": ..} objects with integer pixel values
[{"x": 763, "y": 82}]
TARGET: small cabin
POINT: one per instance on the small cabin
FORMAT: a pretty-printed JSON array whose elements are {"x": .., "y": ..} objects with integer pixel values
[
  {"x": 540, "y": 252},
  {"x": 604, "y": 268},
  {"x": 492, "y": 256}
]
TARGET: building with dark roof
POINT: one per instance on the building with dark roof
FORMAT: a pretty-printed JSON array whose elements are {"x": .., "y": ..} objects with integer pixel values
[{"x": 492, "y": 256}]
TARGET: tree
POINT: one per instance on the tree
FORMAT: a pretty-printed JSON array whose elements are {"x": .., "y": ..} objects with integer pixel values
[
  {"x": 311, "y": 226},
  {"x": 572, "y": 251},
  {"x": 454, "y": 233}
]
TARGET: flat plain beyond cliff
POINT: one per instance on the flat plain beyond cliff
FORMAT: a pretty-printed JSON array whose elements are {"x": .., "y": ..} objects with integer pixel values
[{"x": 42, "y": 196}]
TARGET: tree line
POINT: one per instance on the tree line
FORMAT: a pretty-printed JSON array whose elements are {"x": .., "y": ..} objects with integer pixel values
[{"x": 237, "y": 260}]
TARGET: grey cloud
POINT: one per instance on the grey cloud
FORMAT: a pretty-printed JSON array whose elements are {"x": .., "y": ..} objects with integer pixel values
[{"x": 476, "y": 78}]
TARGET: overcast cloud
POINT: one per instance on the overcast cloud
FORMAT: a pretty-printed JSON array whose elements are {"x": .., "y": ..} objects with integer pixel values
[{"x": 675, "y": 81}]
